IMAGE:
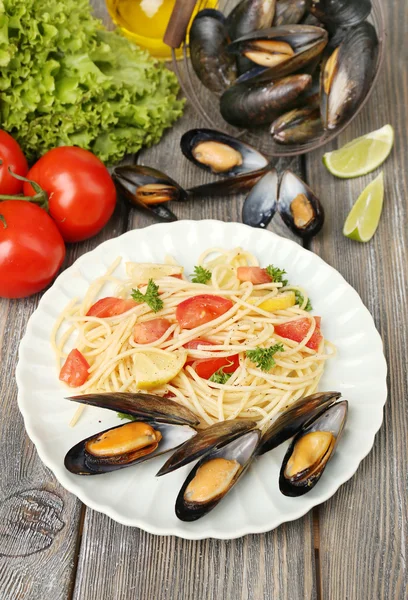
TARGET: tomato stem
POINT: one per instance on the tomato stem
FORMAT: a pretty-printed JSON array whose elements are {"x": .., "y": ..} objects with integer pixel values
[
  {"x": 40, "y": 197},
  {"x": 3, "y": 220}
]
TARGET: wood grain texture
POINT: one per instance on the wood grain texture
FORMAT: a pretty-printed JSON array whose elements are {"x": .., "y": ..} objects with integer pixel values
[{"x": 363, "y": 528}]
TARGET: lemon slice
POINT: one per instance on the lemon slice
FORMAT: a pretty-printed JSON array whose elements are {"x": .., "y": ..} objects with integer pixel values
[
  {"x": 280, "y": 302},
  {"x": 363, "y": 219},
  {"x": 362, "y": 155},
  {"x": 154, "y": 367},
  {"x": 142, "y": 272}
]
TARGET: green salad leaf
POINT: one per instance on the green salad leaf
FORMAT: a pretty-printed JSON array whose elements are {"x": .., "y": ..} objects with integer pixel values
[{"x": 65, "y": 80}]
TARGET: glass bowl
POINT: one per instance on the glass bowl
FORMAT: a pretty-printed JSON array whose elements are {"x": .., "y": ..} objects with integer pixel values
[{"x": 206, "y": 103}]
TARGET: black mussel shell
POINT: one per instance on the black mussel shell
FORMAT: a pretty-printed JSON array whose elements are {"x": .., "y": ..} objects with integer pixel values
[
  {"x": 240, "y": 454},
  {"x": 332, "y": 421},
  {"x": 298, "y": 206},
  {"x": 211, "y": 62},
  {"x": 222, "y": 153},
  {"x": 80, "y": 461},
  {"x": 347, "y": 75},
  {"x": 249, "y": 106},
  {"x": 289, "y": 12},
  {"x": 229, "y": 186},
  {"x": 297, "y": 416},
  {"x": 215, "y": 436},
  {"x": 345, "y": 13},
  {"x": 146, "y": 407},
  {"x": 260, "y": 204},
  {"x": 297, "y": 126},
  {"x": 250, "y": 15},
  {"x": 281, "y": 50}
]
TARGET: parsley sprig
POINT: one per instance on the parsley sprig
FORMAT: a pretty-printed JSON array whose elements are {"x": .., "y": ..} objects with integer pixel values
[
  {"x": 277, "y": 274},
  {"x": 220, "y": 377},
  {"x": 300, "y": 299},
  {"x": 263, "y": 357},
  {"x": 201, "y": 275},
  {"x": 151, "y": 297}
]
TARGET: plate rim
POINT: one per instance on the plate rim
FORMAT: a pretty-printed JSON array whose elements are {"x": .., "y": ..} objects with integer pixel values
[{"x": 245, "y": 529}]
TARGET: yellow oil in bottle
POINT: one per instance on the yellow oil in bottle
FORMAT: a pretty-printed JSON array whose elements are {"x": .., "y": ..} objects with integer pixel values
[{"x": 145, "y": 21}]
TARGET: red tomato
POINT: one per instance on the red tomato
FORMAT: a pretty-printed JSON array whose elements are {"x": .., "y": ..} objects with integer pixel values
[
  {"x": 150, "y": 331},
  {"x": 208, "y": 366},
  {"x": 255, "y": 275},
  {"x": 74, "y": 371},
  {"x": 81, "y": 193},
  {"x": 11, "y": 156},
  {"x": 110, "y": 307},
  {"x": 201, "y": 309},
  {"x": 297, "y": 330},
  {"x": 31, "y": 249}
]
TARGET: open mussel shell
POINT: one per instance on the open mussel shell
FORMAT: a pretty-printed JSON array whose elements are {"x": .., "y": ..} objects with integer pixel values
[
  {"x": 220, "y": 153},
  {"x": 299, "y": 414},
  {"x": 260, "y": 204},
  {"x": 228, "y": 186},
  {"x": 211, "y": 62},
  {"x": 125, "y": 445},
  {"x": 148, "y": 189},
  {"x": 214, "y": 476},
  {"x": 247, "y": 106},
  {"x": 281, "y": 50},
  {"x": 141, "y": 406},
  {"x": 345, "y": 13},
  {"x": 311, "y": 450},
  {"x": 347, "y": 75},
  {"x": 297, "y": 126},
  {"x": 298, "y": 206},
  {"x": 289, "y": 12},
  {"x": 215, "y": 436}
]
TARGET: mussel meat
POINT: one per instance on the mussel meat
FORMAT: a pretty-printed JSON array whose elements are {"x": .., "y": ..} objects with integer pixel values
[
  {"x": 215, "y": 436},
  {"x": 211, "y": 62},
  {"x": 347, "y": 75},
  {"x": 281, "y": 50},
  {"x": 220, "y": 153},
  {"x": 289, "y": 12},
  {"x": 311, "y": 449},
  {"x": 214, "y": 476},
  {"x": 288, "y": 423},
  {"x": 251, "y": 105},
  {"x": 148, "y": 189},
  {"x": 298, "y": 206},
  {"x": 297, "y": 126},
  {"x": 260, "y": 205},
  {"x": 345, "y": 13}
]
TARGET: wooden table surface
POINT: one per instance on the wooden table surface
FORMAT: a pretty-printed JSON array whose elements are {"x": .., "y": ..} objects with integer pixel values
[{"x": 354, "y": 546}]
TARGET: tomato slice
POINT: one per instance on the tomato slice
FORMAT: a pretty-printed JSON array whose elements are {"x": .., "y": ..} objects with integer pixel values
[
  {"x": 255, "y": 275},
  {"x": 208, "y": 366},
  {"x": 110, "y": 307},
  {"x": 201, "y": 309},
  {"x": 150, "y": 331},
  {"x": 74, "y": 371},
  {"x": 297, "y": 330}
]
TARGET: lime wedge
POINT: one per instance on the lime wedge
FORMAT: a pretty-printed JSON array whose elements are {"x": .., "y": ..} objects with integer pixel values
[
  {"x": 362, "y": 155},
  {"x": 154, "y": 367},
  {"x": 363, "y": 219}
]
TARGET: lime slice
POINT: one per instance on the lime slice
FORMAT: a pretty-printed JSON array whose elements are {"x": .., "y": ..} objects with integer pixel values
[
  {"x": 362, "y": 155},
  {"x": 154, "y": 367},
  {"x": 363, "y": 219}
]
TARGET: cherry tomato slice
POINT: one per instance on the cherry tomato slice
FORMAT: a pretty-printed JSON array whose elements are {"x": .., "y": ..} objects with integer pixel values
[
  {"x": 297, "y": 330},
  {"x": 255, "y": 275},
  {"x": 150, "y": 331},
  {"x": 74, "y": 371},
  {"x": 201, "y": 309},
  {"x": 208, "y": 366},
  {"x": 110, "y": 307}
]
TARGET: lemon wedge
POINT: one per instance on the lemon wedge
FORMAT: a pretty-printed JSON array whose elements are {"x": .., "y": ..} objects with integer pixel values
[
  {"x": 280, "y": 302},
  {"x": 154, "y": 367},
  {"x": 363, "y": 219}
]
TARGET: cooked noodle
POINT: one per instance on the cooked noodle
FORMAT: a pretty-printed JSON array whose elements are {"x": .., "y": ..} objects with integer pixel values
[{"x": 109, "y": 347}]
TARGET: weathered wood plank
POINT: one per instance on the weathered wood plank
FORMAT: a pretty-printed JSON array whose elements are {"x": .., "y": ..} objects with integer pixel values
[{"x": 363, "y": 529}]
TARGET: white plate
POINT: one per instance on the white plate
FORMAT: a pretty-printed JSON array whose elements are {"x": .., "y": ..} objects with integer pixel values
[{"x": 134, "y": 496}]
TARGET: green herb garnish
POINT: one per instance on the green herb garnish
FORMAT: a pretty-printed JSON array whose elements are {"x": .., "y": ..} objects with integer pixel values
[
  {"x": 276, "y": 274},
  {"x": 126, "y": 416},
  {"x": 151, "y": 297},
  {"x": 220, "y": 377},
  {"x": 300, "y": 299},
  {"x": 201, "y": 275},
  {"x": 263, "y": 357}
]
